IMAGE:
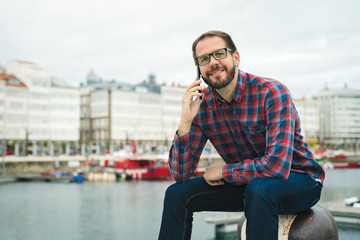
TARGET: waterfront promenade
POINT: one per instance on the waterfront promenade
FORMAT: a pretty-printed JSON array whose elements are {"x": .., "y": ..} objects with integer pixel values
[
  {"x": 20, "y": 165},
  {"x": 7, "y": 179}
]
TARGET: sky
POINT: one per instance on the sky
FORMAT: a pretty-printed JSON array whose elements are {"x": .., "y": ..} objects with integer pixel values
[{"x": 306, "y": 44}]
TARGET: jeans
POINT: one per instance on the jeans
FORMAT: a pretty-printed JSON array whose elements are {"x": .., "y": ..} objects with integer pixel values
[{"x": 262, "y": 200}]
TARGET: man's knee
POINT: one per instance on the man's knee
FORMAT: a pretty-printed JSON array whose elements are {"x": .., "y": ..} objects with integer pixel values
[
  {"x": 182, "y": 192},
  {"x": 258, "y": 189},
  {"x": 178, "y": 193},
  {"x": 172, "y": 192}
]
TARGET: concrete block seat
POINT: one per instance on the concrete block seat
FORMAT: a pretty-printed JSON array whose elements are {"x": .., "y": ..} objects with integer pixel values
[{"x": 316, "y": 223}]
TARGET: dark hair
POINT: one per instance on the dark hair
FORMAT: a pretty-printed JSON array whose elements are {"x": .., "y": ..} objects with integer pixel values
[{"x": 226, "y": 37}]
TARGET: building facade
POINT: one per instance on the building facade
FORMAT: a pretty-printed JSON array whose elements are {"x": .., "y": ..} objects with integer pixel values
[
  {"x": 40, "y": 114},
  {"x": 339, "y": 117},
  {"x": 171, "y": 108},
  {"x": 13, "y": 114},
  {"x": 308, "y": 113},
  {"x": 50, "y": 123},
  {"x": 113, "y": 114}
]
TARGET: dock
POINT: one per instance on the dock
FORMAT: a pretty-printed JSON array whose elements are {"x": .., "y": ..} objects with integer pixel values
[
  {"x": 342, "y": 213},
  {"x": 7, "y": 179},
  {"x": 34, "y": 178},
  {"x": 225, "y": 224}
]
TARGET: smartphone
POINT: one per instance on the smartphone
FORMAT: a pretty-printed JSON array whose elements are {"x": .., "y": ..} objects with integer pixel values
[{"x": 198, "y": 77}]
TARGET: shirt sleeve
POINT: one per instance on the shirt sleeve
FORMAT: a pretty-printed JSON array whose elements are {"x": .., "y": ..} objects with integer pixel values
[
  {"x": 185, "y": 153},
  {"x": 280, "y": 124}
]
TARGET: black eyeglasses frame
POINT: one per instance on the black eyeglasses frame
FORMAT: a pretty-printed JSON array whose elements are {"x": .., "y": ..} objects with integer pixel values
[{"x": 211, "y": 54}]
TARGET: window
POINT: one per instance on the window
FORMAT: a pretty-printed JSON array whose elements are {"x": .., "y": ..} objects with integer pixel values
[
  {"x": 16, "y": 105},
  {"x": 39, "y": 83},
  {"x": 13, "y": 81}
]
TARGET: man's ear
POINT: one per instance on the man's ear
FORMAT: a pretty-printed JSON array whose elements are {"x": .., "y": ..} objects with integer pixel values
[{"x": 236, "y": 56}]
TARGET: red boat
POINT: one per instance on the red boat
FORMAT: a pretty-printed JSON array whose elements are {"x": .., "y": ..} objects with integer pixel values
[
  {"x": 146, "y": 167},
  {"x": 139, "y": 168},
  {"x": 346, "y": 164}
]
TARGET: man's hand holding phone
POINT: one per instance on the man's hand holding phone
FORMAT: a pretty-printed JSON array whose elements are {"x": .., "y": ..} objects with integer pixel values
[{"x": 190, "y": 107}]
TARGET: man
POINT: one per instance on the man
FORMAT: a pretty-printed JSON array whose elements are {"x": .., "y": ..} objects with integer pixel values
[{"x": 253, "y": 124}]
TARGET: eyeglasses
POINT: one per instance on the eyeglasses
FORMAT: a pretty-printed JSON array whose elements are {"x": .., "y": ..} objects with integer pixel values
[{"x": 218, "y": 55}]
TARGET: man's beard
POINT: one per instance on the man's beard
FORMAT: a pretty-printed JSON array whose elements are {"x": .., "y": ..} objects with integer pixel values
[{"x": 218, "y": 83}]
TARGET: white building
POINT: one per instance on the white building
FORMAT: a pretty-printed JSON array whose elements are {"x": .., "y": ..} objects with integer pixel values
[
  {"x": 171, "y": 109},
  {"x": 114, "y": 113},
  {"x": 39, "y": 85},
  {"x": 136, "y": 114},
  {"x": 65, "y": 114},
  {"x": 308, "y": 113},
  {"x": 339, "y": 116},
  {"x": 120, "y": 113},
  {"x": 13, "y": 113},
  {"x": 52, "y": 109},
  {"x": 94, "y": 121}
]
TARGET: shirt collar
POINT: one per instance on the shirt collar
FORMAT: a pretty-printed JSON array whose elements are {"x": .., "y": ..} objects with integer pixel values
[{"x": 239, "y": 91}]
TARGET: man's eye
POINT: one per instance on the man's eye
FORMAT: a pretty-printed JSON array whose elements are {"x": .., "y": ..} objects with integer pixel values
[
  {"x": 219, "y": 54},
  {"x": 204, "y": 59}
]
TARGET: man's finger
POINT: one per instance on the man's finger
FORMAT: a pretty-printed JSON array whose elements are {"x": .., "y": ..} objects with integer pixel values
[{"x": 215, "y": 182}]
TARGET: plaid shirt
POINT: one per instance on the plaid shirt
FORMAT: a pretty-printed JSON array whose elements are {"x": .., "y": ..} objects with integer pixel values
[{"x": 257, "y": 134}]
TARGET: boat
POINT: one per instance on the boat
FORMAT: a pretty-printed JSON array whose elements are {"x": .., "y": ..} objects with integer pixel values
[
  {"x": 352, "y": 202},
  {"x": 60, "y": 176},
  {"x": 337, "y": 159},
  {"x": 146, "y": 167},
  {"x": 140, "y": 167},
  {"x": 346, "y": 164}
]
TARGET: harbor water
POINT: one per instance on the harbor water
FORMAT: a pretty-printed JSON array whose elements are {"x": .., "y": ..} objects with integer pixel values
[{"x": 118, "y": 210}]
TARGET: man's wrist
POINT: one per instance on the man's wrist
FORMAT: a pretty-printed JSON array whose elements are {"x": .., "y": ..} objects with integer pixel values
[
  {"x": 184, "y": 128},
  {"x": 181, "y": 133}
]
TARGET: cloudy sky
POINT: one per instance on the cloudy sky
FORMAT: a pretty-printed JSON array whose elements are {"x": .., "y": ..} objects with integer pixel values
[{"x": 304, "y": 44}]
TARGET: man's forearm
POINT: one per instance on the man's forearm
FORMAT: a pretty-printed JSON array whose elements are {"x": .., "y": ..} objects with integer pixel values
[
  {"x": 180, "y": 163},
  {"x": 183, "y": 128}
]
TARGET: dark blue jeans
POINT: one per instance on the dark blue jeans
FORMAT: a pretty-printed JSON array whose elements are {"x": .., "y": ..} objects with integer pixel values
[{"x": 262, "y": 200}]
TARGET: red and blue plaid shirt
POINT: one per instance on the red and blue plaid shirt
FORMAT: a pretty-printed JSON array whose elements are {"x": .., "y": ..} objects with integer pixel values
[{"x": 257, "y": 134}]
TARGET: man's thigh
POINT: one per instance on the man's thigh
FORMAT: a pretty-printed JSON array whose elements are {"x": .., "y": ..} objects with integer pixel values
[
  {"x": 198, "y": 196},
  {"x": 298, "y": 193}
]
